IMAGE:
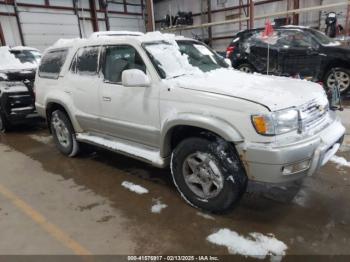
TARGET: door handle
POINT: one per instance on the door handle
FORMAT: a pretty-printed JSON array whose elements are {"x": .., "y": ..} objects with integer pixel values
[{"x": 107, "y": 99}]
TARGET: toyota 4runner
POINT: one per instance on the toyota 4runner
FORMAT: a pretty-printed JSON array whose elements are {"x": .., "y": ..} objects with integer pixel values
[{"x": 173, "y": 104}]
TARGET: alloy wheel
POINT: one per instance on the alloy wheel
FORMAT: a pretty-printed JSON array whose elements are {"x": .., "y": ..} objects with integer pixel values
[
  {"x": 61, "y": 130},
  {"x": 202, "y": 175},
  {"x": 343, "y": 80}
]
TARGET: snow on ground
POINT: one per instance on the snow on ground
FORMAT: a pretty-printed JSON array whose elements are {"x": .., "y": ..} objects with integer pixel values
[
  {"x": 206, "y": 216},
  {"x": 255, "y": 245},
  {"x": 340, "y": 161},
  {"x": 301, "y": 198},
  {"x": 135, "y": 188},
  {"x": 41, "y": 139},
  {"x": 158, "y": 206}
]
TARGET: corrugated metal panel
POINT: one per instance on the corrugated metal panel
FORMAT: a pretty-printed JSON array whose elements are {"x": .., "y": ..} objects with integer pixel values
[
  {"x": 48, "y": 29},
  {"x": 10, "y": 29},
  {"x": 132, "y": 23}
]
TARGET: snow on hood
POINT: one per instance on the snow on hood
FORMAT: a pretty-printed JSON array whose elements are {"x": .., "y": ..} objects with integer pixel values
[
  {"x": 274, "y": 92},
  {"x": 9, "y": 62}
]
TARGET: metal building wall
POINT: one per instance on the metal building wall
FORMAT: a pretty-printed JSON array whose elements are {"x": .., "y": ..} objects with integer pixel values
[
  {"x": 43, "y": 26},
  {"x": 221, "y": 33}
]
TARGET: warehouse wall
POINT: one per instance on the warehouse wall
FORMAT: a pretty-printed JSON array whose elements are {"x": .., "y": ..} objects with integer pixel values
[
  {"x": 173, "y": 6},
  {"x": 43, "y": 26}
]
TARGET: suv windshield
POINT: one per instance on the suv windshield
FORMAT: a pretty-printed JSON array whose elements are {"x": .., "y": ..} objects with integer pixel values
[
  {"x": 201, "y": 56},
  {"x": 11, "y": 61},
  {"x": 321, "y": 37},
  {"x": 188, "y": 57},
  {"x": 27, "y": 56}
]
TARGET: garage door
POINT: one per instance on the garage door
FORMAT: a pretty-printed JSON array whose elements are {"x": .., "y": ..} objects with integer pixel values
[{"x": 44, "y": 31}]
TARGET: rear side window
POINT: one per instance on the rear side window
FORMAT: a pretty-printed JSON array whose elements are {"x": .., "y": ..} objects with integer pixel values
[
  {"x": 87, "y": 60},
  {"x": 51, "y": 64}
]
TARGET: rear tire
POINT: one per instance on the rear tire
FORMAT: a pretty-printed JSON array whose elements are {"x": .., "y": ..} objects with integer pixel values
[
  {"x": 63, "y": 134},
  {"x": 246, "y": 68},
  {"x": 343, "y": 76},
  {"x": 208, "y": 174}
]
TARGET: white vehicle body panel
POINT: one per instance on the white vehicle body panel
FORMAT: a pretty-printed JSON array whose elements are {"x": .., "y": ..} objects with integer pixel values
[{"x": 221, "y": 102}]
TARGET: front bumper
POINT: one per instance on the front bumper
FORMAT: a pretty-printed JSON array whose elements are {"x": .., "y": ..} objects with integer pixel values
[{"x": 266, "y": 163}]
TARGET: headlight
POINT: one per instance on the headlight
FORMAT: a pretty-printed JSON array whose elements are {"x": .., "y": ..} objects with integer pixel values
[{"x": 276, "y": 123}]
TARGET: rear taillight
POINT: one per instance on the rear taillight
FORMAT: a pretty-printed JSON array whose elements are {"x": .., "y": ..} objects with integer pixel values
[{"x": 229, "y": 51}]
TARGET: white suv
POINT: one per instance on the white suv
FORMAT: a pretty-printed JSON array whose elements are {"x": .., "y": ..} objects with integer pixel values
[{"x": 176, "y": 104}]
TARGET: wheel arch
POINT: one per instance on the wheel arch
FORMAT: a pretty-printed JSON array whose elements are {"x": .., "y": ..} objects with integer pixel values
[
  {"x": 176, "y": 130},
  {"x": 333, "y": 64}
]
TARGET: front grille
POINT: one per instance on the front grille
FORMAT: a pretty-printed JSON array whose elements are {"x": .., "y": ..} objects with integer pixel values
[{"x": 312, "y": 113}]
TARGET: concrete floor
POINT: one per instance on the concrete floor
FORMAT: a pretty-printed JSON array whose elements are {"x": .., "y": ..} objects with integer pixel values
[{"x": 51, "y": 204}]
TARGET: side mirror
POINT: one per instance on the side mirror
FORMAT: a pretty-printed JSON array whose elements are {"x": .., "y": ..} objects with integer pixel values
[{"x": 135, "y": 78}]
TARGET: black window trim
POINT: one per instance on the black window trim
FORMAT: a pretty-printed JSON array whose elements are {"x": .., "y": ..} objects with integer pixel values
[
  {"x": 103, "y": 60},
  {"x": 59, "y": 73},
  {"x": 75, "y": 57}
]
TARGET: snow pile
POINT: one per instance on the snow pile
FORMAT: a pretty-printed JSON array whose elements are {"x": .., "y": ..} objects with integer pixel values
[
  {"x": 3, "y": 76},
  {"x": 9, "y": 62},
  {"x": 168, "y": 55},
  {"x": 135, "y": 188},
  {"x": 24, "y": 48},
  {"x": 206, "y": 216},
  {"x": 41, "y": 139},
  {"x": 157, "y": 207},
  {"x": 340, "y": 161},
  {"x": 301, "y": 198},
  {"x": 256, "y": 245},
  {"x": 67, "y": 42}
]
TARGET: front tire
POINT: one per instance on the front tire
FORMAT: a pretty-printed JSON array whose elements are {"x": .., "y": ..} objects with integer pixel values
[
  {"x": 343, "y": 76},
  {"x": 63, "y": 134},
  {"x": 208, "y": 174}
]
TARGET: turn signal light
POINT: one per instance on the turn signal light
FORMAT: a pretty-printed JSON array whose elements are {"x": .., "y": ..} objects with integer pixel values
[{"x": 260, "y": 124}]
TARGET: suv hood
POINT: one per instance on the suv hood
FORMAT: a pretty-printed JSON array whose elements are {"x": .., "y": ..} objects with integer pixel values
[{"x": 274, "y": 92}]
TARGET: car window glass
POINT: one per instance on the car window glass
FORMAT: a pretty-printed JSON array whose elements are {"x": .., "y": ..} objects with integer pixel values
[
  {"x": 201, "y": 56},
  {"x": 87, "y": 60},
  {"x": 52, "y": 63},
  {"x": 294, "y": 39},
  {"x": 254, "y": 39},
  {"x": 119, "y": 59}
]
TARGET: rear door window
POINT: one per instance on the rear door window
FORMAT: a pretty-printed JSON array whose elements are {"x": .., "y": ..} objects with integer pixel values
[
  {"x": 51, "y": 64},
  {"x": 87, "y": 60}
]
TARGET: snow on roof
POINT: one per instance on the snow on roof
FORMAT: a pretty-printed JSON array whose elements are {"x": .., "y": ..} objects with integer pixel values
[
  {"x": 65, "y": 42},
  {"x": 296, "y": 26},
  {"x": 115, "y": 33},
  {"x": 8, "y": 61},
  {"x": 138, "y": 36},
  {"x": 20, "y": 48}
]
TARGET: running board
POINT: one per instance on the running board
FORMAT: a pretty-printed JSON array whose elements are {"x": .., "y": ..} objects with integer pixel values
[{"x": 125, "y": 147}]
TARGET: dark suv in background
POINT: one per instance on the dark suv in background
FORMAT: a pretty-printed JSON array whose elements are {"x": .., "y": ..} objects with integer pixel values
[
  {"x": 17, "y": 73},
  {"x": 296, "y": 50}
]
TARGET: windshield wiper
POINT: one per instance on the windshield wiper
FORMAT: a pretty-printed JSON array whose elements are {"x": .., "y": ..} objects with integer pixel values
[{"x": 178, "y": 76}]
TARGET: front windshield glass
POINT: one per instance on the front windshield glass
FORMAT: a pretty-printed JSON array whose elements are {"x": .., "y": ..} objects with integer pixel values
[
  {"x": 26, "y": 56},
  {"x": 321, "y": 37},
  {"x": 201, "y": 56},
  {"x": 184, "y": 57},
  {"x": 167, "y": 59},
  {"x": 10, "y": 61}
]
